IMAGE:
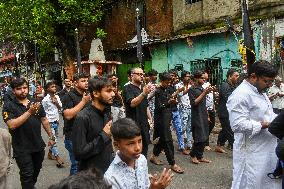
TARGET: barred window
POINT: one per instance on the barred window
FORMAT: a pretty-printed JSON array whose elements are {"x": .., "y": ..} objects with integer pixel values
[{"x": 191, "y": 1}]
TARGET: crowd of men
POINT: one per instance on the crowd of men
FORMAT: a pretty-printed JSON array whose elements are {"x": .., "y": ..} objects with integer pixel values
[{"x": 107, "y": 129}]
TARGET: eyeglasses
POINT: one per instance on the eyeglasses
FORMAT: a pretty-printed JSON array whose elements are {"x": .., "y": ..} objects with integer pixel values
[{"x": 140, "y": 74}]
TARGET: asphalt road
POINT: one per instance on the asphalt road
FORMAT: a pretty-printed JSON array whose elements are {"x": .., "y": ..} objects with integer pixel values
[{"x": 216, "y": 175}]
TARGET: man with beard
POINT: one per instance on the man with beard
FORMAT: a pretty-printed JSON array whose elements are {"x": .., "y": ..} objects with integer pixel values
[
  {"x": 136, "y": 104},
  {"x": 73, "y": 102},
  {"x": 225, "y": 91},
  {"x": 91, "y": 133},
  {"x": 24, "y": 117},
  {"x": 250, "y": 114}
]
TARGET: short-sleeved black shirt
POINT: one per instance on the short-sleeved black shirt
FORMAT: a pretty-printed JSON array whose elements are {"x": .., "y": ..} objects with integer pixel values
[
  {"x": 27, "y": 137},
  {"x": 70, "y": 100},
  {"x": 138, "y": 113},
  {"x": 226, "y": 89}
]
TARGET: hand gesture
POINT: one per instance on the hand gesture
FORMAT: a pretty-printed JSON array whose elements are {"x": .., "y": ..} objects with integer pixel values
[
  {"x": 181, "y": 89},
  {"x": 51, "y": 142},
  {"x": 163, "y": 181},
  {"x": 264, "y": 124},
  {"x": 208, "y": 89},
  {"x": 172, "y": 101},
  {"x": 54, "y": 100},
  {"x": 86, "y": 97},
  {"x": 147, "y": 89},
  {"x": 34, "y": 107},
  {"x": 107, "y": 127}
]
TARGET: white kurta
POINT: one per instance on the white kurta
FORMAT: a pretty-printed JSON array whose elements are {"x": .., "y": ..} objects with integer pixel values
[{"x": 254, "y": 148}]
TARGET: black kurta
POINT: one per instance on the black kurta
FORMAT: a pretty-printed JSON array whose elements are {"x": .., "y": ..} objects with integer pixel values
[
  {"x": 138, "y": 113},
  {"x": 162, "y": 114},
  {"x": 199, "y": 115}
]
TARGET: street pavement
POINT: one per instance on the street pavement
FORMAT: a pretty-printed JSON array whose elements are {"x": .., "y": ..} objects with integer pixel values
[{"x": 216, "y": 175}]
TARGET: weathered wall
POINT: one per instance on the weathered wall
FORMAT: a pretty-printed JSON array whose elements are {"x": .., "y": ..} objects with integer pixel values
[
  {"x": 206, "y": 12},
  {"x": 120, "y": 22},
  {"x": 221, "y": 45}
]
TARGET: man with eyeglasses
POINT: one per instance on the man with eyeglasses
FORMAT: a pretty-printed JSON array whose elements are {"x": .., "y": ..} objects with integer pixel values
[
  {"x": 250, "y": 114},
  {"x": 136, "y": 104}
]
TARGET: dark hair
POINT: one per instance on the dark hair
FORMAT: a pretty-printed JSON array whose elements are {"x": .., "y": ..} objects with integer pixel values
[
  {"x": 152, "y": 73},
  {"x": 17, "y": 82},
  {"x": 97, "y": 84},
  {"x": 89, "y": 179},
  {"x": 183, "y": 74},
  {"x": 173, "y": 71},
  {"x": 198, "y": 74},
  {"x": 230, "y": 72},
  {"x": 263, "y": 68},
  {"x": 124, "y": 128},
  {"x": 129, "y": 71},
  {"x": 165, "y": 76},
  {"x": 80, "y": 76},
  {"x": 49, "y": 83}
]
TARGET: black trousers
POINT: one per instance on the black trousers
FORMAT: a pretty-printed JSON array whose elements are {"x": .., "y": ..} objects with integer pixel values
[
  {"x": 212, "y": 115},
  {"x": 226, "y": 133},
  {"x": 198, "y": 149},
  {"x": 29, "y": 165},
  {"x": 144, "y": 147},
  {"x": 168, "y": 147}
]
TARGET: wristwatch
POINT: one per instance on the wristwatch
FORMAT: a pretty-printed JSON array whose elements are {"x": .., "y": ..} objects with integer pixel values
[{"x": 52, "y": 137}]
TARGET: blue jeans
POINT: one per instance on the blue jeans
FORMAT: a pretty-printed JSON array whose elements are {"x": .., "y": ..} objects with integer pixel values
[
  {"x": 74, "y": 163},
  {"x": 178, "y": 128},
  {"x": 54, "y": 130},
  {"x": 185, "y": 116}
]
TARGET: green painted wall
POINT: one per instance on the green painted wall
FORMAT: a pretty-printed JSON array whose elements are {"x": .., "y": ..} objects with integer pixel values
[
  {"x": 123, "y": 68},
  {"x": 222, "y": 46}
]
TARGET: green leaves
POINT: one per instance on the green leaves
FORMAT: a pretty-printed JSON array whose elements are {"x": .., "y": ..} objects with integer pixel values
[{"x": 50, "y": 22}]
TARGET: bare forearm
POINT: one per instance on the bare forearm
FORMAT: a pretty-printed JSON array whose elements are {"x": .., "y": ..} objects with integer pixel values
[
  {"x": 15, "y": 123},
  {"x": 199, "y": 98},
  {"x": 46, "y": 126},
  {"x": 136, "y": 101},
  {"x": 72, "y": 112}
]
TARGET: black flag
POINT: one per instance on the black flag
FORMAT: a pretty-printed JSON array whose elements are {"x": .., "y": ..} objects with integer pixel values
[{"x": 248, "y": 37}]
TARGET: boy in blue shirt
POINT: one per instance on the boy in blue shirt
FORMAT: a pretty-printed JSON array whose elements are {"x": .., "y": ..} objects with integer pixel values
[{"x": 129, "y": 168}]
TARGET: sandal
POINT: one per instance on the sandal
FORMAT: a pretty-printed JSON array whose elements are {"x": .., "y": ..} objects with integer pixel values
[
  {"x": 155, "y": 161},
  {"x": 177, "y": 169},
  {"x": 194, "y": 160},
  {"x": 203, "y": 160},
  {"x": 273, "y": 176}
]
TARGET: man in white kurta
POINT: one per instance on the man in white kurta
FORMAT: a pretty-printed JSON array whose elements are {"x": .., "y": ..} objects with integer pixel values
[{"x": 250, "y": 113}]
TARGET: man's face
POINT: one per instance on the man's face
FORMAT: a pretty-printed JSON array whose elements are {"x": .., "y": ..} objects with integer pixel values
[
  {"x": 67, "y": 83},
  {"x": 201, "y": 80},
  {"x": 263, "y": 83},
  {"x": 130, "y": 148},
  {"x": 153, "y": 78},
  {"x": 52, "y": 89},
  {"x": 21, "y": 92},
  {"x": 206, "y": 76},
  {"x": 165, "y": 83},
  {"x": 137, "y": 76},
  {"x": 114, "y": 79},
  {"x": 234, "y": 78},
  {"x": 186, "y": 78},
  {"x": 82, "y": 84},
  {"x": 106, "y": 95}
]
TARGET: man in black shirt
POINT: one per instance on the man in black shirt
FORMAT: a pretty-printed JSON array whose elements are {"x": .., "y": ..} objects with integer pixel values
[
  {"x": 73, "y": 102},
  {"x": 136, "y": 104},
  {"x": 225, "y": 91},
  {"x": 66, "y": 89},
  {"x": 24, "y": 117},
  {"x": 164, "y": 99},
  {"x": 91, "y": 133},
  {"x": 199, "y": 117}
]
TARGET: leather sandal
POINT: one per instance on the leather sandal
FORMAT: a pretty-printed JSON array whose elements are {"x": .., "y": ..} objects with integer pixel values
[{"x": 177, "y": 169}]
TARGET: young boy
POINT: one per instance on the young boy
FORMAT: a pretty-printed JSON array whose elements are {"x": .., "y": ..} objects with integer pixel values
[{"x": 129, "y": 168}]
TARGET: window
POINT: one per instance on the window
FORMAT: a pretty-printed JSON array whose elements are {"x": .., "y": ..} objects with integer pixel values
[{"x": 191, "y": 1}]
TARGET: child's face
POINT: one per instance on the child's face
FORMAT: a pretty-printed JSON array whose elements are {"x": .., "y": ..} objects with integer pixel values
[{"x": 130, "y": 148}]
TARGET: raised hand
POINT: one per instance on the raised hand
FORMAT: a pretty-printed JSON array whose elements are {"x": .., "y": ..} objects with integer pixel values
[{"x": 34, "y": 107}]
